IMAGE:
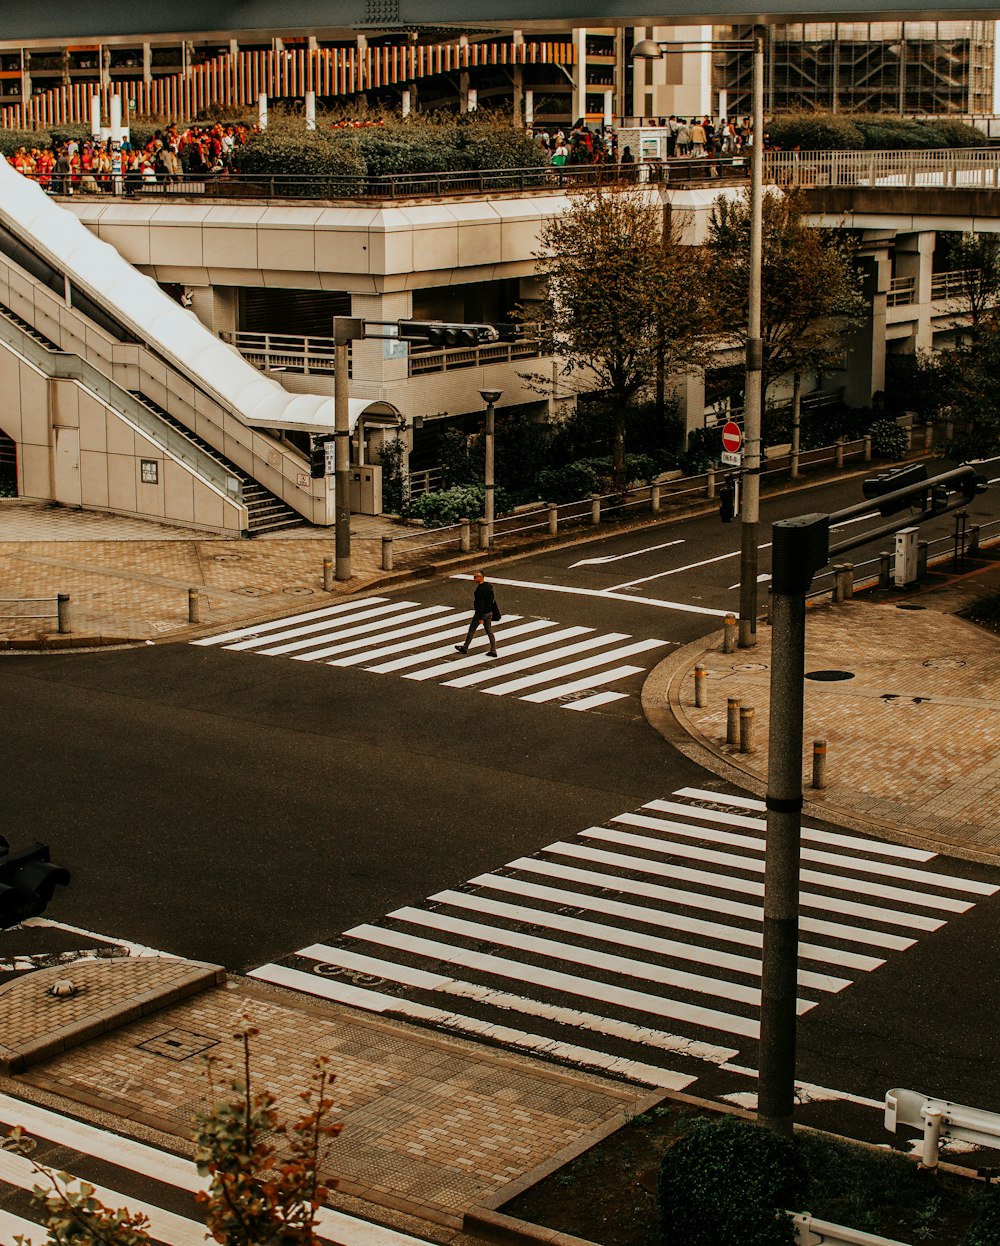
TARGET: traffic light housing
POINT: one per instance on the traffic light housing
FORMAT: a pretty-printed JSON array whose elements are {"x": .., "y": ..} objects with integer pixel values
[
  {"x": 27, "y": 881},
  {"x": 728, "y": 499},
  {"x": 439, "y": 333},
  {"x": 317, "y": 458},
  {"x": 896, "y": 478}
]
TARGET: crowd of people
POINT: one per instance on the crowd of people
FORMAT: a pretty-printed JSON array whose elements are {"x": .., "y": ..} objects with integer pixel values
[
  {"x": 171, "y": 155},
  {"x": 693, "y": 138}
]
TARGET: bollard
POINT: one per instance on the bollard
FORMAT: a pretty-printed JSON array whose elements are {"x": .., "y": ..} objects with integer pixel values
[
  {"x": 700, "y": 687},
  {"x": 729, "y": 634},
  {"x": 974, "y": 539},
  {"x": 732, "y": 721},
  {"x": 595, "y": 508},
  {"x": 484, "y": 534},
  {"x": 868, "y": 447},
  {"x": 464, "y": 535},
  {"x": 194, "y": 606},
  {"x": 884, "y": 568},
  {"x": 710, "y": 484},
  {"x": 839, "y": 452},
  {"x": 838, "y": 582},
  {"x": 654, "y": 499},
  {"x": 819, "y": 764},
  {"x": 327, "y": 575},
  {"x": 928, "y": 435},
  {"x": 847, "y": 569},
  {"x": 932, "y": 1135},
  {"x": 553, "y": 518},
  {"x": 387, "y": 553},
  {"x": 922, "y": 550},
  {"x": 949, "y": 430},
  {"x": 63, "y": 624},
  {"x": 748, "y": 731}
]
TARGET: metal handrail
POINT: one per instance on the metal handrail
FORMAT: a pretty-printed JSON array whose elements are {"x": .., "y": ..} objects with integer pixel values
[
  {"x": 950, "y": 168},
  {"x": 64, "y": 366}
]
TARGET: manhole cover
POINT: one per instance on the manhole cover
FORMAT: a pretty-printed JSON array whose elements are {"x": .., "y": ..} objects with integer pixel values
[
  {"x": 298, "y": 592},
  {"x": 909, "y": 605},
  {"x": 251, "y": 590},
  {"x": 178, "y": 1044},
  {"x": 829, "y": 676},
  {"x": 751, "y": 666},
  {"x": 944, "y": 664}
]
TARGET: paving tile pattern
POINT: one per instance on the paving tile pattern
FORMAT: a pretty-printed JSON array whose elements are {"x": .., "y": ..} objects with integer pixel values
[
  {"x": 912, "y": 739},
  {"x": 427, "y": 1118}
]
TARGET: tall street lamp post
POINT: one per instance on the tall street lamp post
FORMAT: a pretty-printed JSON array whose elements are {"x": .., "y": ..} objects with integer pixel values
[
  {"x": 491, "y": 397},
  {"x": 651, "y": 49}
]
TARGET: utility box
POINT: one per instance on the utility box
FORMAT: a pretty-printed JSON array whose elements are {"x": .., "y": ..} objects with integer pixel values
[
  {"x": 905, "y": 568},
  {"x": 366, "y": 490}
]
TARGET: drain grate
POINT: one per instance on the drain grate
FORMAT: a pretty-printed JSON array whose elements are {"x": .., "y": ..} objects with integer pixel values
[
  {"x": 178, "y": 1044},
  {"x": 829, "y": 676}
]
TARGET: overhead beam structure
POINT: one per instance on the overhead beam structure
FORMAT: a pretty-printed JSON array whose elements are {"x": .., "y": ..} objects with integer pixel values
[{"x": 111, "y": 20}]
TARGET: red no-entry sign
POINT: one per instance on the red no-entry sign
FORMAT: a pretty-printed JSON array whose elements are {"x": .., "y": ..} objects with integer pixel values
[{"x": 732, "y": 437}]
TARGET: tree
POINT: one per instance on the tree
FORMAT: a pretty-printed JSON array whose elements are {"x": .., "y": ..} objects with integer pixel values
[
  {"x": 258, "y": 1195},
  {"x": 811, "y": 292},
  {"x": 970, "y": 376},
  {"x": 616, "y": 272},
  {"x": 975, "y": 278}
]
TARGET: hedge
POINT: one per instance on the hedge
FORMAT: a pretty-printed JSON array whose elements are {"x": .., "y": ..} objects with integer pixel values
[{"x": 868, "y": 132}]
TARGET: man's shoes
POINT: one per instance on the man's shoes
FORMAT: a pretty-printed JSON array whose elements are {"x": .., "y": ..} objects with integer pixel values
[
  {"x": 492, "y": 653},
  {"x": 461, "y": 649}
]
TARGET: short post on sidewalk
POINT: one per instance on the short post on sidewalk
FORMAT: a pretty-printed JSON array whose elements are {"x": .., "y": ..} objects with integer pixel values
[
  {"x": 700, "y": 687},
  {"x": 327, "y": 575},
  {"x": 732, "y": 721},
  {"x": 819, "y": 764},
  {"x": 748, "y": 729},
  {"x": 464, "y": 535},
  {"x": 387, "y": 553},
  {"x": 595, "y": 508},
  {"x": 484, "y": 534},
  {"x": 710, "y": 484},
  {"x": 553, "y": 508},
  {"x": 63, "y": 623},
  {"x": 194, "y": 606},
  {"x": 729, "y": 634},
  {"x": 884, "y": 569}
]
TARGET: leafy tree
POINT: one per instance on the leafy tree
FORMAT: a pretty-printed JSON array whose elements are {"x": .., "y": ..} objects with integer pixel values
[
  {"x": 975, "y": 263},
  {"x": 617, "y": 271},
  {"x": 810, "y": 285},
  {"x": 970, "y": 376},
  {"x": 257, "y": 1195}
]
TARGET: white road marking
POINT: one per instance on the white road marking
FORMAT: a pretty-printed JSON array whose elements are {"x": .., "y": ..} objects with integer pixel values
[
  {"x": 572, "y": 668},
  {"x": 375, "y": 1001},
  {"x": 704, "y": 878},
  {"x": 666, "y": 918},
  {"x": 478, "y": 650},
  {"x": 752, "y": 866},
  {"x": 649, "y": 549},
  {"x": 699, "y": 900},
  {"x": 582, "y": 684},
  {"x": 365, "y": 641},
  {"x": 497, "y": 670},
  {"x": 258, "y": 628},
  {"x": 624, "y": 937},
  {"x": 608, "y": 595},
  {"x": 374, "y": 621},
  {"x": 590, "y": 703},
  {"x": 493, "y": 669},
  {"x": 755, "y": 843}
]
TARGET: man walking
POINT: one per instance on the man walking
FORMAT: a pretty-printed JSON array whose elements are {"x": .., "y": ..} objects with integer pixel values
[{"x": 484, "y": 610}]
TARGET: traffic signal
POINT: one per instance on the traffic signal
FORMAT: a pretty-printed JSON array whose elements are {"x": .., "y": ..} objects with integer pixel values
[
  {"x": 728, "y": 499},
  {"x": 317, "y": 458},
  {"x": 27, "y": 881},
  {"x": 889, "y": 482},
  {"x": 438, "y": 333}
]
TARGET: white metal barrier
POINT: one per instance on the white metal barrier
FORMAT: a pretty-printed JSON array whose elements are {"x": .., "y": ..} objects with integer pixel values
[
  {"x": 812, "y": 1232},
  {"x": 938, "y": 1118}
]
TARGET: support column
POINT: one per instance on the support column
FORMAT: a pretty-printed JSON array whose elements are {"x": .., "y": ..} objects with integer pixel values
[
  {"x": 580, "y": 77},
  {"x": 865, "y": 373}
]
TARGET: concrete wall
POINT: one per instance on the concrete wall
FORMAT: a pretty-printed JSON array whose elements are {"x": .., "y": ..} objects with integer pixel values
[{"x": 74, "y": 449}]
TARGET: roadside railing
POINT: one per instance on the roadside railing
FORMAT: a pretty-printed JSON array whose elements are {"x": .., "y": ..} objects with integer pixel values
[
  {"x": 951, "y": 168},
  {"x": 544, "y": 520},
  {"x": 35, "y": 608}
]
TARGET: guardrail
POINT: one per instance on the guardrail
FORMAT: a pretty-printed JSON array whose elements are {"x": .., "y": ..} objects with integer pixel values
[
  {"x": 812, "y": 1232},
  {"x": 547, "y": 519},
  {"x": 963, "y": 167},
  {"x": 59, "y": 610}
]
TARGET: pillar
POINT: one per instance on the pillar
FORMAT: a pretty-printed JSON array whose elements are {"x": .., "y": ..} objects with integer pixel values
[
  {"x": 865, "y": 374},
  {"x": 580, "y": 77}
]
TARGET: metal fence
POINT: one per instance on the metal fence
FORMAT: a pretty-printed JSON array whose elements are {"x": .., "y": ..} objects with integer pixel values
[
  {"x": 963, "y": 167},
  {"x": 547, "y": 519}
]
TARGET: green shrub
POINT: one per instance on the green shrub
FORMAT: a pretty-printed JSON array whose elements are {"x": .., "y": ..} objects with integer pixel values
[
  {"x": 439, "y": 510},
  {"x": 283, "y": 150},
  {"x": 704, "y": 448},
  {"x": 394, "y": 483},
  {"x": 727, "y": 1181},
  {"x": 957, "y": 133},
  {"x": 889, "y": 440},
  {"x": 567, "y": 484},
  {"x": 11, "y": 140},
  {"x": 815, "y": 132},
  {"x": 985, "y": 1229}
]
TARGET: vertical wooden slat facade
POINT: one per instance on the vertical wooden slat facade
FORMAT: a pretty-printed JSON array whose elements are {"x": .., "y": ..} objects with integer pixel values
[{"x": 237, "y": 80}]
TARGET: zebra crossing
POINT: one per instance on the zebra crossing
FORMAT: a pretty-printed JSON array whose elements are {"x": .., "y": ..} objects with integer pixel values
[
  {"x": 634, "y": 948},
  {"x": 541, "y": 661},
  {"x": 117, "y": 1168}
]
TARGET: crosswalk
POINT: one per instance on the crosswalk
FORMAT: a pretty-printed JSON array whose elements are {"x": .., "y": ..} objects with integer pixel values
[
  {"x": 541, "y": 661},
  {"x": 634, "y": 948},
  {"x": 130, "y": 1174}
]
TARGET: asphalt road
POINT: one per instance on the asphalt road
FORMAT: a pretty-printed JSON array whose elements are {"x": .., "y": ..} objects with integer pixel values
[{"x": 234, "y": 807}]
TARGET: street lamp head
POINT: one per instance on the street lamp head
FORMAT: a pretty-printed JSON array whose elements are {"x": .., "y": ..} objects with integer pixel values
[
  {"x": 490, "y": 396},
  {"x": 646, "y": 49}
]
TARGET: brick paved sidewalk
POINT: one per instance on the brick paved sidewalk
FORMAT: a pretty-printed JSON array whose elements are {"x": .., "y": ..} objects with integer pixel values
[{"x": 913, "y": 736}]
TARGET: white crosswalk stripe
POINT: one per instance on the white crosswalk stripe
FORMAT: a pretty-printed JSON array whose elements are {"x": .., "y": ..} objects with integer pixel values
[
  {"x": 167, "y": 1179},
  {"x": 636, "y": 951},
  {"x": 540, "y": 661}
]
